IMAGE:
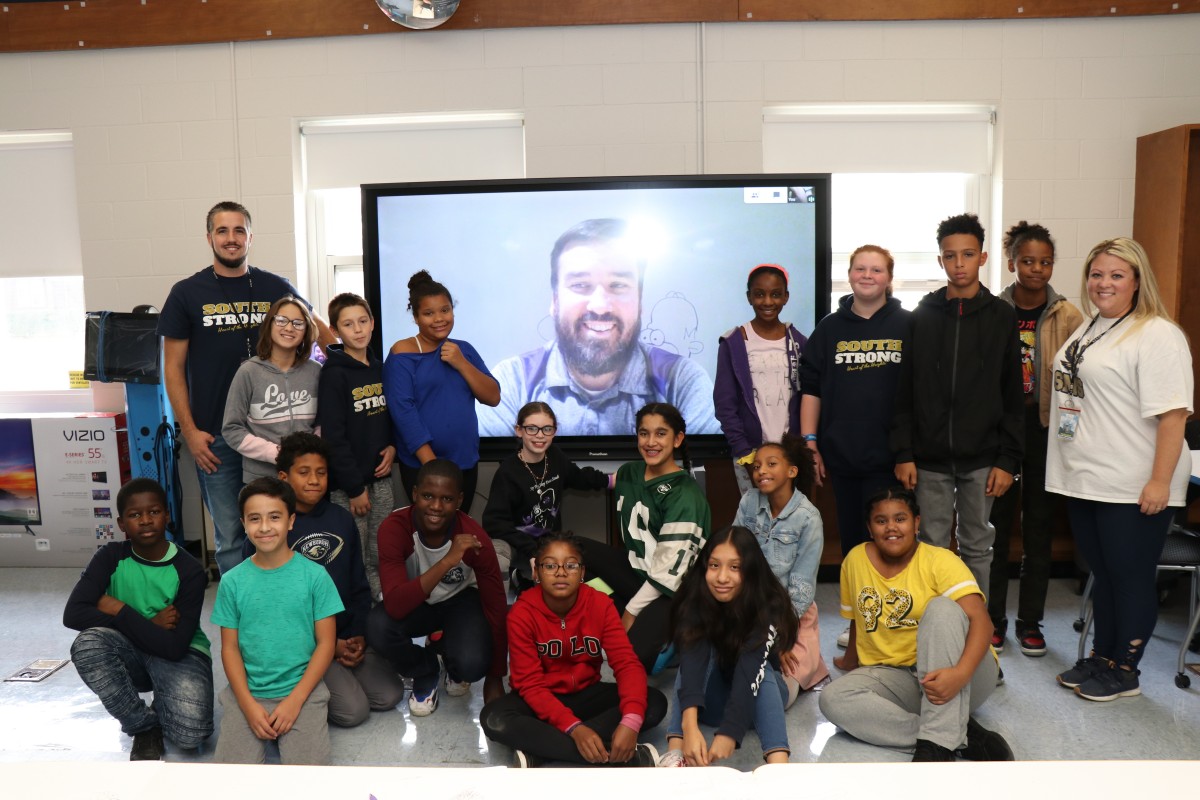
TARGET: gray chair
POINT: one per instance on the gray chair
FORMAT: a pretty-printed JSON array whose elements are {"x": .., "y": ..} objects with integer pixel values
[{"x": 1181, "y": 553}]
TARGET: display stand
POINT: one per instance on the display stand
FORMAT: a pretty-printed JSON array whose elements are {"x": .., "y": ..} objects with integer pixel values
[{"x": 126, "y": 348}]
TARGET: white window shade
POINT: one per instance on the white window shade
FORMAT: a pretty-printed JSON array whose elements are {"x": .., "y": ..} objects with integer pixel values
[
  {"x": 878, "y": 138},
  {"x": 39, "y": 219},
  {"x": 341, "y": 153}
]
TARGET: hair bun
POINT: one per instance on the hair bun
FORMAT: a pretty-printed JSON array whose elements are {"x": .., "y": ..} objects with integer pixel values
[{"x": 419, "y": 278}]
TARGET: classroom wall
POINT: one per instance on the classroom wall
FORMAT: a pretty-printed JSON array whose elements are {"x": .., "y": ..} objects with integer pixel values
[{"x": 162, "y": 133}]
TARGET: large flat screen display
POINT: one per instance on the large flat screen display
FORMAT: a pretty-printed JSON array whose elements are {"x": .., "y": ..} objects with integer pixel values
[
  {"x": 597, "y": 295},
  {"x": 18, "y": 474}
]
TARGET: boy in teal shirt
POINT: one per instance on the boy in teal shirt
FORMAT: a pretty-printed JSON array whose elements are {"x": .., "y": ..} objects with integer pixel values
[
  {"x": 278, "y": 633},
  {"x": 137, "y": 607}
]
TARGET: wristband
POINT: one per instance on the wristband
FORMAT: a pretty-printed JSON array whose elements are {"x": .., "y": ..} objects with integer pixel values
[
  {"x": 810, "y": 437},
  {"x": 632, "y": 721}
]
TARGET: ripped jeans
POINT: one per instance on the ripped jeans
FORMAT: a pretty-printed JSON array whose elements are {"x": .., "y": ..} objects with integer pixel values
[{"x": 1122, "y": 546}]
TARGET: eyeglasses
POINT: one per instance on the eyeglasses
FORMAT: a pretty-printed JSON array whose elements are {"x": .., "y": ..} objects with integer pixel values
[
  {"x": 551, "y": 568},
  {"x": 282, "y": 322},
  {"x": 545, "y": 430}
]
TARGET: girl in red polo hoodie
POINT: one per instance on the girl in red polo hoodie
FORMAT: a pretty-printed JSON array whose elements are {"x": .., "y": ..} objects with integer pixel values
[{"x": 559, "y": 709}]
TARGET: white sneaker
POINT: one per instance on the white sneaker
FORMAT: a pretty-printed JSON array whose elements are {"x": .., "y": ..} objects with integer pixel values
[
  {"x": 843, "y": 640},
  {"x": 423, "y": 706},
  {"x": 672, "y": 758},
  {"x": 457, "y": 688}
]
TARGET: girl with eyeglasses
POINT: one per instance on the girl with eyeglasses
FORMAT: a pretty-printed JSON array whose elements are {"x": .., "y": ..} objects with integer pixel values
[
  {"x": 275, "y": 392},
  {"x": 526, "y": 498},
  {"x": 559, "y": 709}
]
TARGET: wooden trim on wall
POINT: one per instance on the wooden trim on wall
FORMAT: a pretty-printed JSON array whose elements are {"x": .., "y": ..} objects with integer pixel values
[{"x": 99, "y": 24}]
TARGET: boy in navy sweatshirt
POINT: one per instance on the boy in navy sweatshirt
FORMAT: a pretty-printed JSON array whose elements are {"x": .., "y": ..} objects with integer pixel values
[
  {"x": 137, "y": 607},
  {"x": 958, "y": 430},
  {"x": 359, "y": 680},
  {"x": 353, "y": 418}
]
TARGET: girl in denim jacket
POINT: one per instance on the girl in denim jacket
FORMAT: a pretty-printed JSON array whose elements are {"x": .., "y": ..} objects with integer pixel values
[{"x": 789, "y": 531}]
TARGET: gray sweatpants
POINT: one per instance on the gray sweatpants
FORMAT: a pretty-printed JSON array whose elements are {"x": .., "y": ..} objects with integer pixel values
[
  {"x": 354, "y": 693},
  {"x": 379, "y": 492},
  {"x": 306, "y": 743},
  {"x": 940, "y": 495},
  {"x": 886, "y": 706}
]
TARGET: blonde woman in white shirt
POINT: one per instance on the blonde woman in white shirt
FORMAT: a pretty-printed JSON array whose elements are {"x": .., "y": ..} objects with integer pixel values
[{"x": 1122, "y": 392}]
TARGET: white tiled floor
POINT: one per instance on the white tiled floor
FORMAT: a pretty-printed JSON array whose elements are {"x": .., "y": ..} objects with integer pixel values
[{"x": 60, "y": 719}]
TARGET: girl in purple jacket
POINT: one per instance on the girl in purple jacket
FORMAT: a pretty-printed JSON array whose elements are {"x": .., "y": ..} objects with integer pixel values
[{"x": 757, "y": 391}]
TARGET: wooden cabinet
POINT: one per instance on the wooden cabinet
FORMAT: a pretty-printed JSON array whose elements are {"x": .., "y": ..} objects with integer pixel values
[{"x": 1166, "y": 221}]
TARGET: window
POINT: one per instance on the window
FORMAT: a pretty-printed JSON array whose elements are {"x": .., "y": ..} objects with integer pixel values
[
  {"x": 898, "y": 211},
  {"x": 898, "y": 169},
  {"x": 338, "y": 155},
  {"x": 41, "y": 271},
  {"x": 42, "y": 319}
]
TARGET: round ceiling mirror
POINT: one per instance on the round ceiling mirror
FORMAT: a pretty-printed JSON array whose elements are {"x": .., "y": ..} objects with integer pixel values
[{"x": 418, "y": 14}]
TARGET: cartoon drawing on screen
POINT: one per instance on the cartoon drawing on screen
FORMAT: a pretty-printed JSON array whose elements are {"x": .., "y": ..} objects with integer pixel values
[
  {"x": 672, "y": 326},
  {"x": 598, "y": 368}
]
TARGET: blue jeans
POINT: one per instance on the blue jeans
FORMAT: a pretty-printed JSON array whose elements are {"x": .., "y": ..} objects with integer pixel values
[
  {"x": 220, "y": 494},
  {"x": 1122, "y": 546},
  {"x": 117, "y": 671},
  {"x": 769, "y": 718},
  {"x": 466, "y": 639}
]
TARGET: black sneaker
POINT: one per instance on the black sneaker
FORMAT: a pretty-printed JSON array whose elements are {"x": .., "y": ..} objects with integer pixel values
[
  {"x": 985, "y": 745},
  {"x": 1084, "y": 669},
  {"x": 1030, "y": 638},
  {"x": 1110, "y": 684},
  {"x": 644, "y": 755},
  {"x": 998, "y": 634},
  {"x": 147, "y": 745},
  {"x": 928, "y": 751},
  {"x": 525, "y": 760}
]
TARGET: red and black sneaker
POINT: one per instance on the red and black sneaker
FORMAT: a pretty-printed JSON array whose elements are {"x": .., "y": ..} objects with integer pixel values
[
  {"x": 998, "y": 634},
  {"x": 1030, "y": 638}
]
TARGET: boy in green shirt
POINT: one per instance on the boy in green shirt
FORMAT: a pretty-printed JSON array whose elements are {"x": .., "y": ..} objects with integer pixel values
[
  {"x": 278, "y": 632},
  {"x": 137, "y": 606}
]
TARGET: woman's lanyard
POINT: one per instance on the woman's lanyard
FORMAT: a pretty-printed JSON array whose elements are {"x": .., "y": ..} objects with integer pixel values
[
  {"x": 242, "y": 324},
  {"x": 1074, "y": 355}
]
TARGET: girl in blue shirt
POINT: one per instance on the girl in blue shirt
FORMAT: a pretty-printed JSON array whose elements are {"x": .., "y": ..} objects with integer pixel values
[{"x": 431, "y": 383}]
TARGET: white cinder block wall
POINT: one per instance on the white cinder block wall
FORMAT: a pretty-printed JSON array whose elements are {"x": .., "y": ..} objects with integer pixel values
[{"x": 161, "y": 133}]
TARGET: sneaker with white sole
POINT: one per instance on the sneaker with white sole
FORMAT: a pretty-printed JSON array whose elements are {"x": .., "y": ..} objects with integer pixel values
[
  {"x": 525, "y": 760},
  {"x": 843, "y": 640},
  {"x": 644, "y": 755},
  {"x": 424, "y": 703},
  {"x": 1031, "y": 640},
  {"x": 1084, "y": 670},
  {"x": 1110, "y": 684},
  {"x": 457, "y": 688},
  {"x": 672, "y": 758},
  {"x": 999, "y": 632}
]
